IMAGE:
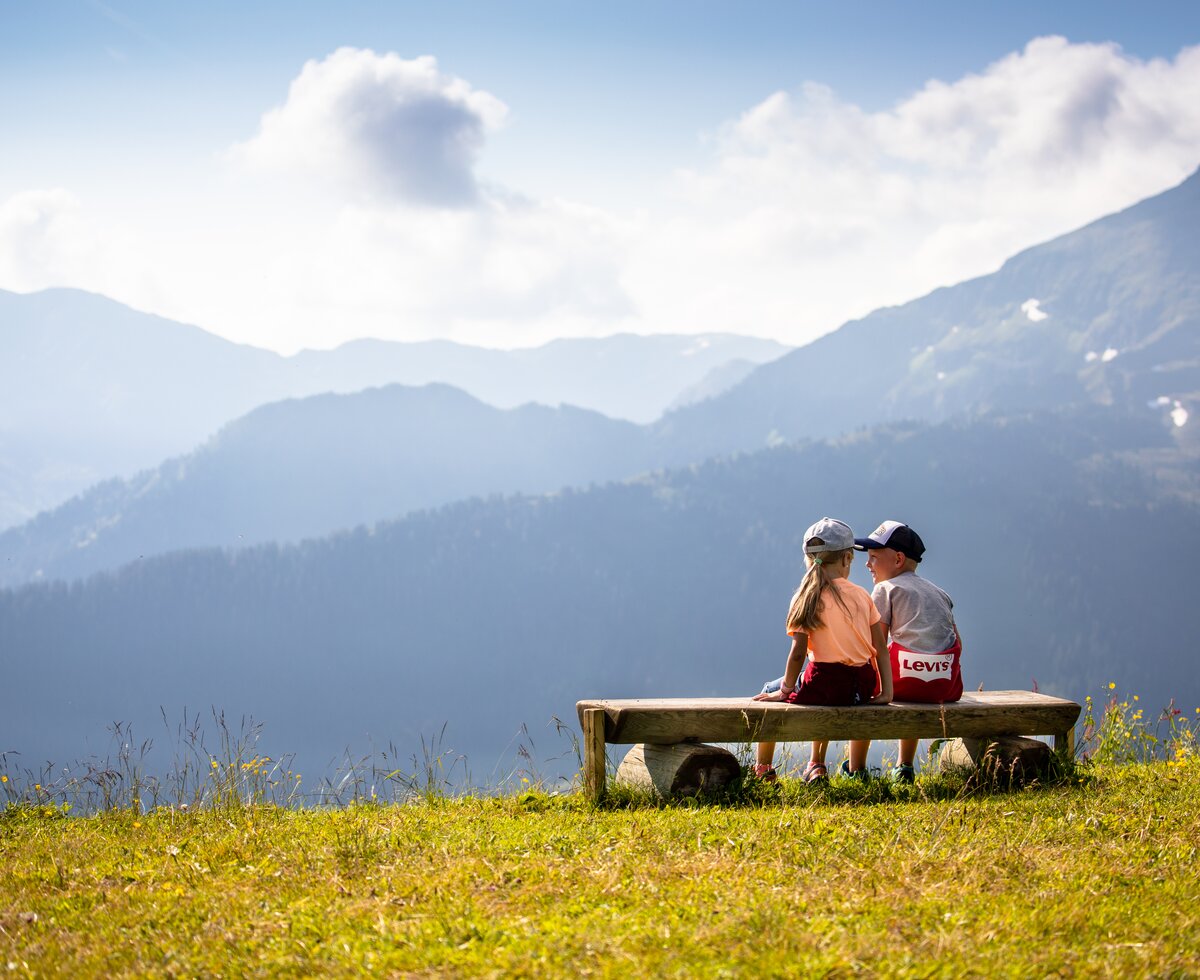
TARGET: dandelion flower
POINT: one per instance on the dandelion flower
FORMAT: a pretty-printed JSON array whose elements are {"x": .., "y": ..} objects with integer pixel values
[
  {"x": 4, "y": 779},
  {"x": 1112, "y": 685}
]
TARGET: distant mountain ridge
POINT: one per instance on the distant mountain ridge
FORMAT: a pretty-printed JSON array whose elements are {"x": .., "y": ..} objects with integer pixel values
[
  {"x": 308, "y": 467},
  {"x": 1108, "y": 314},
  {"x": 90, "y": 389}
]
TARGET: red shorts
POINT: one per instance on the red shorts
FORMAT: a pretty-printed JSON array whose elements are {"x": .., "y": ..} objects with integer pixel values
[
  {"x": 834, "y": 684},
  {"x": 931, "y": 678}
]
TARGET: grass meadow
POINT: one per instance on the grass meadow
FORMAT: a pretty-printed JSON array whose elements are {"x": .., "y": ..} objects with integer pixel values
[{"x": 1090, "y": 874}]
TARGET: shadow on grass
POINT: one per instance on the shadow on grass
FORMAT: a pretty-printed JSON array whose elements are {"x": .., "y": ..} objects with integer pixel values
[{"x": 956, "y": 783}]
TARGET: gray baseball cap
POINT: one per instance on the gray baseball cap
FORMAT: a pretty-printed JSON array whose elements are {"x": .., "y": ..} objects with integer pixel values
[{"x": 834, "y": 535}]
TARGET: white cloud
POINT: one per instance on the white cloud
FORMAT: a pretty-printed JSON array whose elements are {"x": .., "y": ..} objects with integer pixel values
[
  {"x": 39, "y": 235},
  {"x": 496, "y": 273},
  {"x": 811, "y": 210},
  {"x": 815, "y": 210},
  {"x": 379, "y": 126}
]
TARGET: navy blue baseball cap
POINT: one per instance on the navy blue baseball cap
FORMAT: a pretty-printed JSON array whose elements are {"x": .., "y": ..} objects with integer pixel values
[{"x": 892, "y": 534}]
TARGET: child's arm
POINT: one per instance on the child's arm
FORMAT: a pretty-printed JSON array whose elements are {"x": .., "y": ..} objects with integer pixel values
[
  {"x": 884, "y": 661},
  {"x": 795, "y": 663}
]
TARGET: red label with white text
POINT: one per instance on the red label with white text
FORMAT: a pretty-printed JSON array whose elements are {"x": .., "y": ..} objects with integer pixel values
[{"x": 932, "y": 678}]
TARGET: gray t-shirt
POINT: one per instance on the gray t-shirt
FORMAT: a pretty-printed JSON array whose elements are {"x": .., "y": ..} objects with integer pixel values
[{"x": 918, "y": 614}]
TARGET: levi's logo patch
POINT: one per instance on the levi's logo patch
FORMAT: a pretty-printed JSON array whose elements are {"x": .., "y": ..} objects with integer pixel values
[{"x": 925, "y": 666}]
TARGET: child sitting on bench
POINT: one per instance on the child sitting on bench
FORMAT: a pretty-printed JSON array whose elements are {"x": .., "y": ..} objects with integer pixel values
[
  {"x": 919, "y": 617},
  {"x": 833, "y": 622}
]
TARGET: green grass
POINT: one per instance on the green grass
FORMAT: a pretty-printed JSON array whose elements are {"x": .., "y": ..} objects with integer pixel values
[{"x": 1094, "y": 877}]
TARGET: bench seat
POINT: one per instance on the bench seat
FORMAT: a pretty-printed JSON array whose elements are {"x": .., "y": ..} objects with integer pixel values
[{"x": 980, "y": 714}]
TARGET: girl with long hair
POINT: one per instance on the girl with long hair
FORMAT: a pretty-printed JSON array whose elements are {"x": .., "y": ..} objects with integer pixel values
[{"x": 835, "y": 627}]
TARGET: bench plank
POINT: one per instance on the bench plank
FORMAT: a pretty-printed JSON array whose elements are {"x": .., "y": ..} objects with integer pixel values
[{"x": 979, "y": 714}]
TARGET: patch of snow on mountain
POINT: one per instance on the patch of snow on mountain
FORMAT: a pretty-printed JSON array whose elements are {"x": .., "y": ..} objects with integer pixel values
[
  {"x": 1179, "y": 414},
  {"x": 1109, "y": 354},
  {"x": 1032, "y": 309}
]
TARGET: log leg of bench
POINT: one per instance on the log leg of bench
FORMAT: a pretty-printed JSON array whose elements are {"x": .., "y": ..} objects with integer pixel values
[
  {"x": 593, "y": 754},
  {"x": 1064, "y": 744}
]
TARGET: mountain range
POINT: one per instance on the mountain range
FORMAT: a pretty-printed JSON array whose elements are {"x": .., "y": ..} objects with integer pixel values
[
  {"x": 1058, "y": 493},
  {"x": 92, "y": 390},
  {"x": 1107, "y": 315}
]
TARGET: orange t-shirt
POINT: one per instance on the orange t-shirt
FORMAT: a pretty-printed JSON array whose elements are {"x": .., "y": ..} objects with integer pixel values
[{"x": 844, "y": 639}]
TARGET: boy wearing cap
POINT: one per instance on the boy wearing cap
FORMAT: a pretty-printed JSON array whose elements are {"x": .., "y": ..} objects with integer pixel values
[{"x": 924, "y": 643}]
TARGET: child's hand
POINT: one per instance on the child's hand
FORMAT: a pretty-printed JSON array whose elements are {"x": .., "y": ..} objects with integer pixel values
[{"x": 773, "y": 696}]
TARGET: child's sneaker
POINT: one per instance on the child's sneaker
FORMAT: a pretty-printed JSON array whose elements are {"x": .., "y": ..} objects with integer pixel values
[
  {"x": 903, "y": 774},
  {"x": 764, "y": 772},
  {"x": 814, "y": 772},
  {"x": 862, "y": 775}
]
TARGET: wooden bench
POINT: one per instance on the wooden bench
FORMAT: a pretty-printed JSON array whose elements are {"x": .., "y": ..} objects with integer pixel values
[{"x": 980, "y": 714}]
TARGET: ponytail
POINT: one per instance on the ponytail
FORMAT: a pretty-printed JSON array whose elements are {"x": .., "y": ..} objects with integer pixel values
[{"x": 804, "y": 613}]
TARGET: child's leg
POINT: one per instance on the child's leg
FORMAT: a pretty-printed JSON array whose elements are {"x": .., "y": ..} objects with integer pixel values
[
  {"x": 908, "y": 751},
  {"x": 765, "y": 753},
  {"x": 858, "y": 754},
  {"x": 818, "y": 753}
]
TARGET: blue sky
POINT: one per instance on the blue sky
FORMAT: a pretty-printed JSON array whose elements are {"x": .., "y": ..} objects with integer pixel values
[{"x": 507, "y": 173}]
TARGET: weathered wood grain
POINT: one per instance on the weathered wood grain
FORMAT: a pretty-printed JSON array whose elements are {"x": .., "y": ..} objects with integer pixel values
[
  {"x": 594, "y": 761},
  {"x": 977, "y": 715}
]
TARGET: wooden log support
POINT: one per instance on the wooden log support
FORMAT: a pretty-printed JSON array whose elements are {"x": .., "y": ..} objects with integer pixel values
[
  {"x": 1064, "y": 744},
  {"x": 1007, "y": 759},
  {"x": 593, "y": 720},
  {"x": 682, "y": 769}
]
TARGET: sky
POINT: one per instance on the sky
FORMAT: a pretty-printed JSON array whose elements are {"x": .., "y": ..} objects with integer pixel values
[{"x": 297, "y": 175}]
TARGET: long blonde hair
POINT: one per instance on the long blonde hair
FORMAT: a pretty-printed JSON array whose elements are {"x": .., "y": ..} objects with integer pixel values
[{"x": 804, "y": 613}]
